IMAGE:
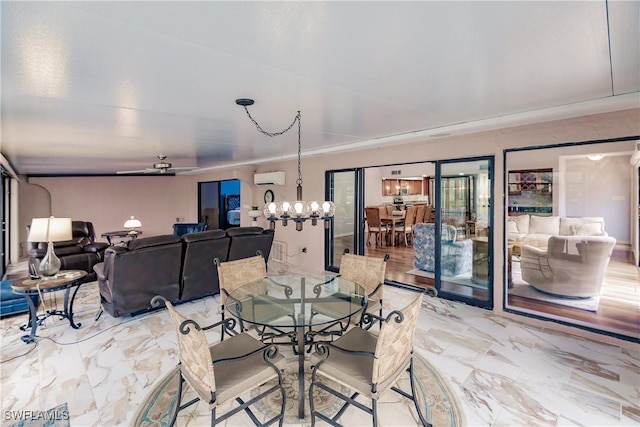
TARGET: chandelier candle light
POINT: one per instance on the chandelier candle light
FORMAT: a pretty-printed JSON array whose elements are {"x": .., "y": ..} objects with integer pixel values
[
  {"x": 50, "y": 230},
  {"x": 297, "y": 211}
]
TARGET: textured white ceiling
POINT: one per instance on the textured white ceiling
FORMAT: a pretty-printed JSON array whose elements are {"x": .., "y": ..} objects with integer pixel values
[{"x": 98, "y": 87}]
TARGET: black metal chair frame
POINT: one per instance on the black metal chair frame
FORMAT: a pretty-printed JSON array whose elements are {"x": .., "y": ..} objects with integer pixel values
[
  {"x": 269, "y": 352},
  {"x": 323, "y": 351}
]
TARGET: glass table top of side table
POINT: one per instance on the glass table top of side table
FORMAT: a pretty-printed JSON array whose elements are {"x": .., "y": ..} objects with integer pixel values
[{"x": 285, "y": 309}]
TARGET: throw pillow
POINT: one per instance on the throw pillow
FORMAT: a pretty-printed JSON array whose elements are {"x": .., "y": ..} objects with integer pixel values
[
  {"x": 512, "y": 226},
  {"x": 588, "y": 229}
]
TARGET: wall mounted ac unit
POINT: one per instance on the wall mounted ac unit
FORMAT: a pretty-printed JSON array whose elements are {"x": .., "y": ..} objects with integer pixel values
[{"x": 269, "y": 178}]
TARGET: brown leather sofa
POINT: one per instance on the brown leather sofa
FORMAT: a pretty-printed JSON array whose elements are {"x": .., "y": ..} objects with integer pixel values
[
  {"x": 199, "y": 277},
  {"x": 133, "y": 274},
  {"x": 82, "y": 252},
  {"x": 178, "y": 268}
]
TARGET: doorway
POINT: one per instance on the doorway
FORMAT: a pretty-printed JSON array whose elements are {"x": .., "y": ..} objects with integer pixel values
[
  {"x": 219, "y": 203},
  {"x": 407, "y": 195}
]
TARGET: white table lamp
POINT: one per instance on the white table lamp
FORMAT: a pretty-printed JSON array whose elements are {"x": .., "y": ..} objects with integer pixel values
[
  {"x": 131, "y": 224},
  {"x": 50, "y": 230}
]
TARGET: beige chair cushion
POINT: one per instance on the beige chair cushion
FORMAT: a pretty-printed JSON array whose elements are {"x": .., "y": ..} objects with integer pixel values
[
  {"x": 236, "y": 378},
  {"x": 392, "y": 348}
]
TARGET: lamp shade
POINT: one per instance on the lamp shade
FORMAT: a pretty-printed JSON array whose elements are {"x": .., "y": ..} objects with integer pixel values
[
  {"x": 132, "y": 223},
  {"x": 50, "y": 230}
]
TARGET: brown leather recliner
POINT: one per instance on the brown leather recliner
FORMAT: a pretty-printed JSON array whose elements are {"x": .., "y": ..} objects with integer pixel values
[
  {"x": 82, "y": 252},
  {"x": 199, "y": 274},
  {"x": 133, "y": 274}
]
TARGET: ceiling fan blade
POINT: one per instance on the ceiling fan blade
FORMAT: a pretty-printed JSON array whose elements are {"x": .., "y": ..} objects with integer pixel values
[
  {"x": 138, "y": 171},
  {"x": 184, "y": 168}
]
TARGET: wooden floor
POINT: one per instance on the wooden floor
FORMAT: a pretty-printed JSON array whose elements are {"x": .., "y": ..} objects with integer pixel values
[{"x": 618, "y": 311}]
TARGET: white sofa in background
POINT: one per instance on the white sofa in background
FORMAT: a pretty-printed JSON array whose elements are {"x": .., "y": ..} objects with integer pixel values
[{"x": 535, "y": 230}]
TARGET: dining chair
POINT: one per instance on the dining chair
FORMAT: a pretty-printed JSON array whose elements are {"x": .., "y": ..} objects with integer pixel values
[
  {"x": 406, "y": 229},
  {"x": 375, "y": 225},
  {"x": 222, "y": 373},
  {"x": 367, "y": 272},
  {"x": 368, "y": 363},
  {"x": 421, "y": 210},
  {"x": 237, "y": 273}
]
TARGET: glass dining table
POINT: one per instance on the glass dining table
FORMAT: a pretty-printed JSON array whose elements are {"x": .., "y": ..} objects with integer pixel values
[{"x": 297, "y": 310}]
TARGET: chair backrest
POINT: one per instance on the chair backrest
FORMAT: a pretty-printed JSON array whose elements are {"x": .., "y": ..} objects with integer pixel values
[
  {"x": 421, "y": 210},
  {"x": 409, "y": 217},
  {"x": 234, "y": 274},
  {"x": 389, "y": 209},
  {"x": 395, "y": 342},
  {"x": 367, "y": 272},
  {"x": 373, "y": 216},
  {"x": 196, "y": 364}
]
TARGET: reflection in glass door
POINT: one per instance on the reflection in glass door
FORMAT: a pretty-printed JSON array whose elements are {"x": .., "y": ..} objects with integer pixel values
[{"x": 463, "y": 211}]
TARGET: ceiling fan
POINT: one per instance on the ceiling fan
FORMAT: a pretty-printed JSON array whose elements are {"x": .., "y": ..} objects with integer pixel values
[{"x": 162, "y": 167}]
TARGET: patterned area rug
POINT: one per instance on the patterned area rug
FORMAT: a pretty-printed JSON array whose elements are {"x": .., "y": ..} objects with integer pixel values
[{"x": 441, "y": 407}]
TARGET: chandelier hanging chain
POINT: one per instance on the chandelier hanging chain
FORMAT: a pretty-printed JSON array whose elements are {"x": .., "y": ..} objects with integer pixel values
[
  {"x": 298, "y": 211},
  {"x": 272, "y": 134},
  {"x": 297, "y": 118}
]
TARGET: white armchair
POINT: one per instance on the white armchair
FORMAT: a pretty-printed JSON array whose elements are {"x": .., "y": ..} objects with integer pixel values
[{"x": 559, "y": 271}]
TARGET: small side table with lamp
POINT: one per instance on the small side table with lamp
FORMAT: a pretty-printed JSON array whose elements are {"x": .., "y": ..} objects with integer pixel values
[{"x": 131, "y": 231}]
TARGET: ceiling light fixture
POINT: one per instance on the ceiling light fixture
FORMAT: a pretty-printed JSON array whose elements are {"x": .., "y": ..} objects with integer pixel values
[
  {"x": 595, "y": 157},
  {"x": 298, "y": 211}
]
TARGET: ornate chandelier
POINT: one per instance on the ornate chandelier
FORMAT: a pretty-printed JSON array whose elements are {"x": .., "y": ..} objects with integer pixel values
[{"x": 297, "y": 211}]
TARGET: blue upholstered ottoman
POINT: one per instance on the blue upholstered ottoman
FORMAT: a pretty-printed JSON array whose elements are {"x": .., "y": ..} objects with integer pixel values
[{"x": 11, "y": 303}]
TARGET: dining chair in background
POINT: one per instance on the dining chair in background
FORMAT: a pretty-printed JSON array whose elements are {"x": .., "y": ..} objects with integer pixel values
[
  {"x": 374, "y": 225},
  {"x": 405, "y": 231},
  {"x": 221, "y": 373},
  {"x": 368, "y": 363},
  {"x": 421, "y": 210}
]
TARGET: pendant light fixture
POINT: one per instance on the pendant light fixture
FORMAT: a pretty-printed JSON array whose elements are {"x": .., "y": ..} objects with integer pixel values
[{"x": 298, "y": 210}]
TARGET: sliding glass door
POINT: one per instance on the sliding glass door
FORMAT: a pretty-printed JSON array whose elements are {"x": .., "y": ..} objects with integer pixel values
[
  {"x": 345, "y": 189},
  {"x": 464, "y": 247}
]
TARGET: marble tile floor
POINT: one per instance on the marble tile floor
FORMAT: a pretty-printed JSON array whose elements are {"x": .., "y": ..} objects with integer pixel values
[{"x": 505, "y": 373}]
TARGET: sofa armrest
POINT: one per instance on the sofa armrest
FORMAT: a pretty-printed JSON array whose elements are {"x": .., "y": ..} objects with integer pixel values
[{"x": 99, "y": 269}]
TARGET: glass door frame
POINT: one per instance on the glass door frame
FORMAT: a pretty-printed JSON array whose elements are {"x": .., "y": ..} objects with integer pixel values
[
  {"x": 488, "y": 303},
  {"x": 358, "y": 215}
]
